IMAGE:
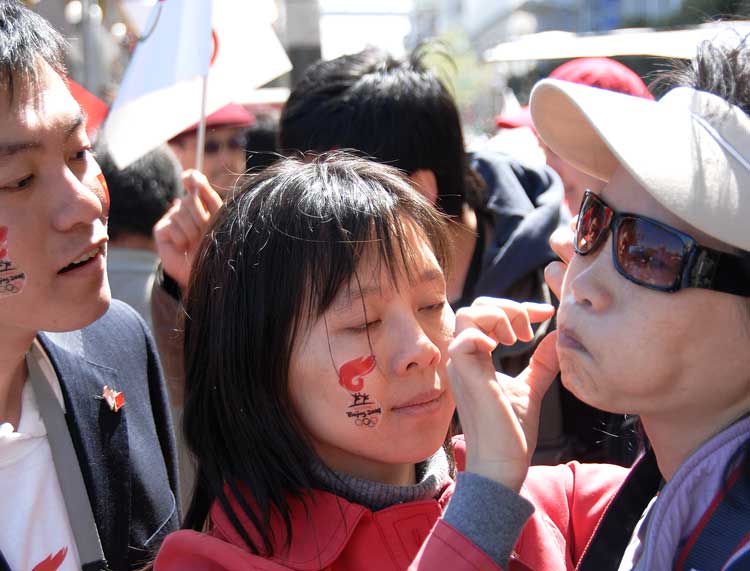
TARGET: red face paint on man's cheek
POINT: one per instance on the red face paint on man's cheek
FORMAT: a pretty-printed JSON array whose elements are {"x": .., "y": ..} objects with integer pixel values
[
  {"x": 105, "y": 188},
  {"x": 12, "y": 280}
]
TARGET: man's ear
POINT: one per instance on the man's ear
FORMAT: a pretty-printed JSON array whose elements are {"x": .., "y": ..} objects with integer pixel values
[{"x": 425, "y": 182}]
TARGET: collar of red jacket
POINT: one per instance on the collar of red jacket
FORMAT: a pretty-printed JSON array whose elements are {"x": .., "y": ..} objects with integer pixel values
[{"x": 322, "y": 525}]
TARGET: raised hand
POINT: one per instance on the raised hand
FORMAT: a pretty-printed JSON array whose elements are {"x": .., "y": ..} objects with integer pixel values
[
  {"x": 179, "y": 232},
  {"x": 499, "y": 414}
]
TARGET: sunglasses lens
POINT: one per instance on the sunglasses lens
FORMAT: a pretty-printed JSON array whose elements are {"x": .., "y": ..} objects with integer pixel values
[
  {"x": 592, "y": 221},
  {"x": 211, "y": 147},
  {"x": 650, "y": 254}
]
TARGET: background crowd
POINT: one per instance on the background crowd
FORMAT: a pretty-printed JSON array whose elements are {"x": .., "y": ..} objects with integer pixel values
[{"x": 199, "y": 403}]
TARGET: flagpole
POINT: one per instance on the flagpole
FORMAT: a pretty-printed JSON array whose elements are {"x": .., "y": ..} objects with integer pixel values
[{"x": 202, "y": 127}]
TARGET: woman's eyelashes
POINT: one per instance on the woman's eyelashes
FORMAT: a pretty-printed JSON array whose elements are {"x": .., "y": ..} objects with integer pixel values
[
  {"x": 362, "y": 327},
  {"x": 438, "y": 306},
  {"x": 370, "y": 320}
]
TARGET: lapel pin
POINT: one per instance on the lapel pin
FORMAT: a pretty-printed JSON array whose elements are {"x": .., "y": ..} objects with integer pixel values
[{"x": 114, "y": 399}]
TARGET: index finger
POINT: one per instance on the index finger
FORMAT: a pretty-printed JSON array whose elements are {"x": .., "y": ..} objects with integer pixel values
[
  {"x": 537, "y": 312},
  {"x": 196, "y": 183}
]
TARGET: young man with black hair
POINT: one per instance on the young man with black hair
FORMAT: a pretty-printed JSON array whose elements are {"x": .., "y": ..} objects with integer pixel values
[
  {"x": 87, "y": 461},
  {"x": 140, "y": 194}
]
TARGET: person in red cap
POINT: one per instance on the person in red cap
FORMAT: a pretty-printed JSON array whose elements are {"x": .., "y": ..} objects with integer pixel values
[
  {"x": 223, "y": 150},
  {"x": 601, "y": 72}
]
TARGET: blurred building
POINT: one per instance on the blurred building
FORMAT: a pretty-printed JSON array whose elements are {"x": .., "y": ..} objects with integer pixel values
[
  {"x": 489, "y": 23},
  {"x": 102, "y": 32}
]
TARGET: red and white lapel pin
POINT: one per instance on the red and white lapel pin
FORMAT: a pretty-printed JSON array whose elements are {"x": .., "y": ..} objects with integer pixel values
[{"x": 114, "y": 399}]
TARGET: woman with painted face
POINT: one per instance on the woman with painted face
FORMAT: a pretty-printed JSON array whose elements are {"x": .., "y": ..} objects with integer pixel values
[
  {"x": 654, "y": 315},
  {"x": 317, "y": 400}
]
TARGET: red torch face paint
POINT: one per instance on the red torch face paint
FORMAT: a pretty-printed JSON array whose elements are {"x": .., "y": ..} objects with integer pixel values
[
  {"x": 364, "y": 411},
  {"x": 103, "y": 182},
  {"x": 12, "y": 279},
  {"x": 352, "y": 372}
]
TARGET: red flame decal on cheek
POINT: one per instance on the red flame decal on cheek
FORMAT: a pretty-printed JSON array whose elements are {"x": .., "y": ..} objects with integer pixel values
[
  {"x": 105, "y": 188},
  {"x": 351, "y": 372}
]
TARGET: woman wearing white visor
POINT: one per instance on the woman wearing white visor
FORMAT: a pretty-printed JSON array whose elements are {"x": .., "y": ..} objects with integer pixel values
[{"x": 654, "y": 320}]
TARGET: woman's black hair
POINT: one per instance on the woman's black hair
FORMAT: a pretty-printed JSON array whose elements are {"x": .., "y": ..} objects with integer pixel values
[{"x": 271, "y": 263}]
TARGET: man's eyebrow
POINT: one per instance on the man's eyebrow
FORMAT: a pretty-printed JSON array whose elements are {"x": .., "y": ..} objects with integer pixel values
[
  {"x": 75, "y": 123},
  {"x": 346, "y": 298},
  {"x": 68, "y": 127}
]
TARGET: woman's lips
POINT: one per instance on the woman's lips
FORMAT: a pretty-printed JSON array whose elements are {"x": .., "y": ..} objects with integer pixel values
[
  {"x": 567, "y": 339},
  {"x": 422, "y": 404}
]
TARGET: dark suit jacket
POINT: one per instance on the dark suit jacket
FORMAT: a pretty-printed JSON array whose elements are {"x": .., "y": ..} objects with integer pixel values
[{"x": 128, "y": 458}]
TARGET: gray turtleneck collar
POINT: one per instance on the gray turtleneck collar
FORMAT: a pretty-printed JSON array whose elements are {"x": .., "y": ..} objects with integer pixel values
[{"x": 432, "y": 476}]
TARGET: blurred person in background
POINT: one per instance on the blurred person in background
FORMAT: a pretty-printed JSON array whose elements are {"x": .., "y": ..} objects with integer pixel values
[
  {"x": 223, "y": 149},
  {"x": 140, "y": 194},
  {"x": 262, "y": 142},
  {"x": 601, "y": 72}
]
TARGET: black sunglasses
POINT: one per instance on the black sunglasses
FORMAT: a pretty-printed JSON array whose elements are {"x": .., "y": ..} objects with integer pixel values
[
  {"x": 212, "y": 146},
  {"x": 654, "y": 255}
]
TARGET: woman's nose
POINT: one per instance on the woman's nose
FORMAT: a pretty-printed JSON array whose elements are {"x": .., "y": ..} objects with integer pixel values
[{"x": 413, "y": 349}]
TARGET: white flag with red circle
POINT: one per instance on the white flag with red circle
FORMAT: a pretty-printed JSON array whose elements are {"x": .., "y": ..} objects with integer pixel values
[{"x": 230, "y": 41}]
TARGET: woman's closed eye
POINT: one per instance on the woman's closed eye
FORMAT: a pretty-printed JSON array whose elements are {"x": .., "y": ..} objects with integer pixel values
[
  {"x": 362, "y": 327},
  {"x": 437, "y": 306}
]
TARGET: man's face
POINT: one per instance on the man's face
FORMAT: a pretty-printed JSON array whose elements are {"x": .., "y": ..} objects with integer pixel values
[
  {"x": 53, "y": 209},
  {"x": 223, "y": 156}
]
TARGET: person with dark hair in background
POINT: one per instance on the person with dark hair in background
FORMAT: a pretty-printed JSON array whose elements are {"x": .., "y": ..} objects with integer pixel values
[
  {"x": 262, "y": 142},
  {"x": 87, "y": 456},
  {"x": 139, "y": 194}
]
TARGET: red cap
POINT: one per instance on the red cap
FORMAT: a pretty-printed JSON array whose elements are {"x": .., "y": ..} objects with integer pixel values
[
  {"x": 232, "y": 115},
  {"x": 604, "y": 73},
  {"x": 515, "y": 120},
  {"x": 601, "y": 72}
]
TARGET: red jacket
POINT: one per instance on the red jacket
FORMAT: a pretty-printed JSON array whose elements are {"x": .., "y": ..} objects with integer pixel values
[{"x": 343, "y": 536}]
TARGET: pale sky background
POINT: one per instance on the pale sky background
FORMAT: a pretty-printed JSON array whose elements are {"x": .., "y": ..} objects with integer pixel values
[{"x": 348, "y": 26}]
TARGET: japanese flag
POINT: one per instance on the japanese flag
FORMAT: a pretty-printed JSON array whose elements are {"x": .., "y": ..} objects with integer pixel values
[{"x": 230, "y": 41}]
